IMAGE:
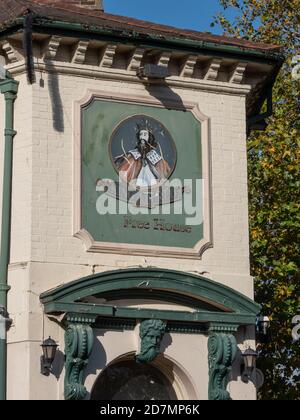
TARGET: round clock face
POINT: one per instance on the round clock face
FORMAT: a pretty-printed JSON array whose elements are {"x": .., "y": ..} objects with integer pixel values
[{"x": 143, "y": 151}]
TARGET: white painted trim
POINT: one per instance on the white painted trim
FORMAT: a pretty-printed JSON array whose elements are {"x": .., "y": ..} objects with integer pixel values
[{"x": 144, "y": 250}]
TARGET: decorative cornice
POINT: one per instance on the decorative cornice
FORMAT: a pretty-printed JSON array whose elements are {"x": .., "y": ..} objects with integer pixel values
[
  {"x": 223, "y": 328},
  {"x": 124, "y": 324},
  {"x": 186, "y": 328},
  {"x": 188, "y": 66},
  {"x": 113, "y": 324},
  {"x": 80, "y": 52},
  {"x": 164, "y": 59},
  {"x": 128, "y": 324},
  {"x": 108, "y": 56},
  {"x": 52, "y": 48},
  {"x": 212, "y": 70},
  {"x": 136, "y": 59},
  {"x": 74, "y": 61},
  {"x": 79, "y": 318},
  {"x": 130, "y": 76},
  {"x": 12, "y": 54},
  {"x": 238, "y": 73}
]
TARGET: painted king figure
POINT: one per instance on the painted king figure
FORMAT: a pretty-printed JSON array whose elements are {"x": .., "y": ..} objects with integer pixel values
[{"x": 144, "y": 164}]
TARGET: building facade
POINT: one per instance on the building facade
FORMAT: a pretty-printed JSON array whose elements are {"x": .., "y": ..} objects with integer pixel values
[{"x": 132, "y": 300}]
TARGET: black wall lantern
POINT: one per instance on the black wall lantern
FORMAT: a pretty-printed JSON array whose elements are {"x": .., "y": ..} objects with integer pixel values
[
  {"x": 249, "y": 364},
  {"x": 263, "y": 325},
  {"x": 49, "y": 347}
]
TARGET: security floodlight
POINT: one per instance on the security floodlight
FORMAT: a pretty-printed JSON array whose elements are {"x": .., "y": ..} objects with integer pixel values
[{"x": 153, "y": 71}]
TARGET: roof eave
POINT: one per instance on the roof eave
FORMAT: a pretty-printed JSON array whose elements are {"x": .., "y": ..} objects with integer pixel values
[
  {"x": 180, "y": 43},
  {"x": 43, "y": 24}
]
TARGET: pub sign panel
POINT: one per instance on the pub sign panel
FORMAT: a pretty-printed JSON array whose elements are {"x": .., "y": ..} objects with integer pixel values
[{"x": 141, "y": 176}]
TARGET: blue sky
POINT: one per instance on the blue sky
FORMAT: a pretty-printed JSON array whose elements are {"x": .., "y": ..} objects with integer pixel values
[{"x": 189, "y": 14}]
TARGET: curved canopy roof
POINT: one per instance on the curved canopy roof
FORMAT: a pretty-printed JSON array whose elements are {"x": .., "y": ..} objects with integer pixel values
[{"x": 209, "y": 301}]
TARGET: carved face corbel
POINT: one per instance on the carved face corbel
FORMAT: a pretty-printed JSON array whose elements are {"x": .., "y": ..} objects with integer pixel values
[{"x": 151, "y": 334}]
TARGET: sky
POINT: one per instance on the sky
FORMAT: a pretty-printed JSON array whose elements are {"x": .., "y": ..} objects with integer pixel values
[{"x": 187, "y": 14}]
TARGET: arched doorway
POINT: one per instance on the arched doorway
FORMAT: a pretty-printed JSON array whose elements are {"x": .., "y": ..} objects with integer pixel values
[{"x": 128, "y": 380}]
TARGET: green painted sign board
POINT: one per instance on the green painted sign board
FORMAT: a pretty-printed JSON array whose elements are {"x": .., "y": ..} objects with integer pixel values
[{"x": 109, "y": 141}]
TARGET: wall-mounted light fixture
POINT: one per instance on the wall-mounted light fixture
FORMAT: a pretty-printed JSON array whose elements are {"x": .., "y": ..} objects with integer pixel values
[
  {"x": 263, "y": 324},
  {"x": 49, "y": 347},
  {"x": 153, "y": 71},
  {"x": 249, "y": 364}
]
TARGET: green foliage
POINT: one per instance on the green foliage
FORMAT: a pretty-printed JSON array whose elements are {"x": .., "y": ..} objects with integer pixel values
[{"x": 274, "y": 186}]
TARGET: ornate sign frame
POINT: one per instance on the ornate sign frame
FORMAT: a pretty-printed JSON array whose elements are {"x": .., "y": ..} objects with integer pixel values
[{"x": 142, "y": 250}]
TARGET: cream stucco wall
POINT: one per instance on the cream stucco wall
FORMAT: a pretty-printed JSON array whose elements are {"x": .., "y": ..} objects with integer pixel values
[{"x": 44, "y": 253}]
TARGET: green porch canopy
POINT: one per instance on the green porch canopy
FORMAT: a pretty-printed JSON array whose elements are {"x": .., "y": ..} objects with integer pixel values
[{"x": 207, "y": 301}]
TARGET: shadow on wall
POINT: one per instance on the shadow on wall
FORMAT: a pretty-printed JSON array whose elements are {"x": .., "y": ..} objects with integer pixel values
[
  {"x": 98, "y": 358},
  {"x": 58, "y": 365},
  {"x": 166, "y": 343},
  {"x": 161, "y": 91},
  {"x": 56, "y": 102},
  {"x": 165, "y": 95}
]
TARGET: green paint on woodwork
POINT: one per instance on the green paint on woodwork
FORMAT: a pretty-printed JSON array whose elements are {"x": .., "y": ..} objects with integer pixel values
[
  {"x": 155, "y": 295},
  {"x": 222, "y": 351},
  {"x": 216, "y": 320},
  {"x": 9, "y": 88},
  {"x": 231, "y": 307},
  {"x": 79, "y": 339},
  {"x": 99, "y": 119}
]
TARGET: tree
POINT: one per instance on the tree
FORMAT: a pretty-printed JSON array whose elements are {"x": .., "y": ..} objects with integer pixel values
[{"x": 274, "y": 193}]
